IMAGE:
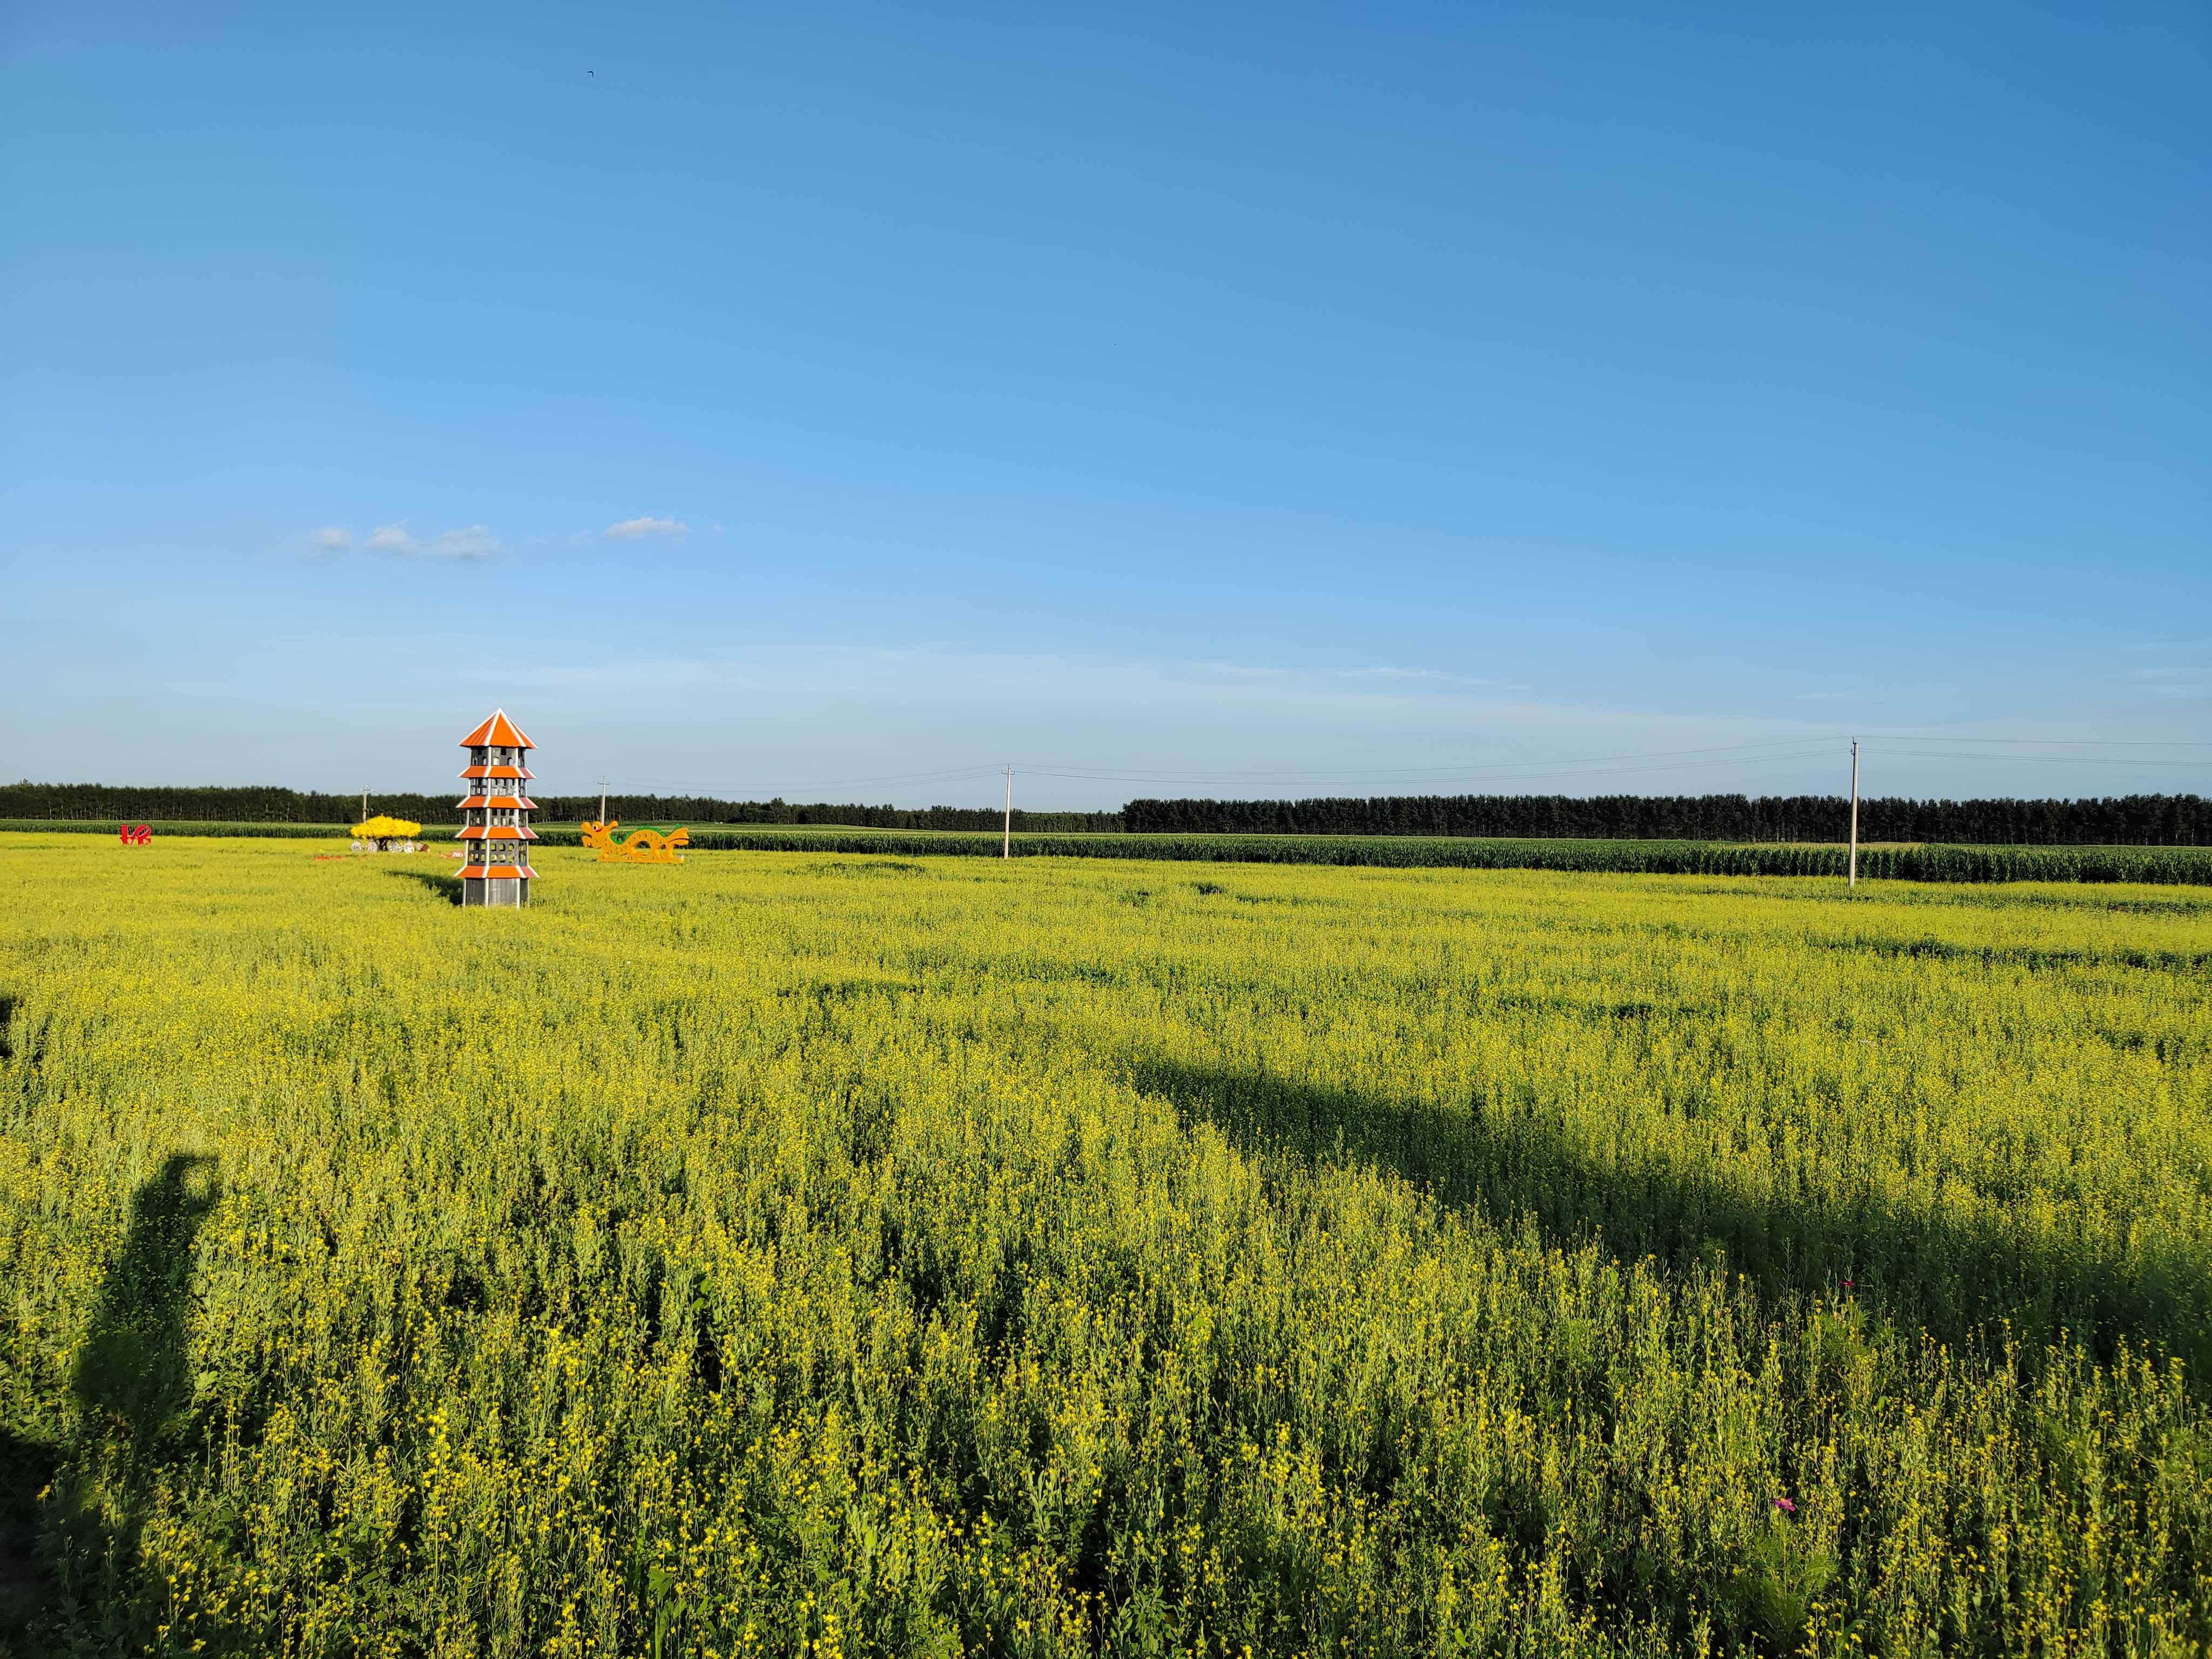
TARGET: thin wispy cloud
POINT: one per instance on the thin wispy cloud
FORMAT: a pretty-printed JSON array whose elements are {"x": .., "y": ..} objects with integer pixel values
[
  {"x": 474, "y": 541},
  {"x": 630, "y": 530},
  {"x": 2190, "y": 682},
  {"x": 333, "y": 538},
  {"x": 754, "y": 718},
  {"x": 477, "y": 542},
  {"x": 1388, "y": 674},
  {"x": 1092, "y": 729}
]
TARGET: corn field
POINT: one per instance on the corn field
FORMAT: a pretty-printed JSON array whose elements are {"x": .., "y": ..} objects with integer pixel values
[{"x": 813, "y": 1253}]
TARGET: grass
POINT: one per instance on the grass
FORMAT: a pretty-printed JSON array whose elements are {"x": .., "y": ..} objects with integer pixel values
[{"x": 835, "y": 1253}]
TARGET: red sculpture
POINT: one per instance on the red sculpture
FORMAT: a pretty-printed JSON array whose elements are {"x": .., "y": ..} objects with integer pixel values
[{"x": 137, "y": 835}]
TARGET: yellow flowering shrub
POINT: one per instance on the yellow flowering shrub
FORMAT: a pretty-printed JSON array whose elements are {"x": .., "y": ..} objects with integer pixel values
[{"x": 380, "y": 827}]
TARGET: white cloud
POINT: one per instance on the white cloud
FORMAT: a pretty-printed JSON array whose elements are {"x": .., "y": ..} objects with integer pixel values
[
  {"x": 474, "y": 542},
  {"x": 330, "y": 538},
  {"x": 477, "y": 542},
  {"x": 630, "y": 529}
]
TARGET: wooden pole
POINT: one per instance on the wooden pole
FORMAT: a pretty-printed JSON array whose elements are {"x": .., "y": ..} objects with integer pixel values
[
  {"x": 1006, "y": 847},
  {"x": 1854, "y": 880}
]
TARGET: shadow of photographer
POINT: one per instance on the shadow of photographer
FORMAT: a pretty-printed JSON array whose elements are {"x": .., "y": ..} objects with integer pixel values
[
  {"x": 132, "y": 1384},
  {"x": 132, "y": 1376}
]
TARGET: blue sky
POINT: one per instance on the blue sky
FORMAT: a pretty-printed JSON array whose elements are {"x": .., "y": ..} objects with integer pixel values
[{"x": 808, "y": 400}]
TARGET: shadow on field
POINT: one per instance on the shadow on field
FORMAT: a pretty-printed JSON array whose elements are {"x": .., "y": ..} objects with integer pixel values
[
  {"x": 132, "y": 1384},
  {"x": 1960, "y": 1282},
  {"x": 436, "y": 881},
  {"x": 8, "y": 1006},
  {"x": 27, "y": 1467},
  {"x": 131, "y": 1376}
]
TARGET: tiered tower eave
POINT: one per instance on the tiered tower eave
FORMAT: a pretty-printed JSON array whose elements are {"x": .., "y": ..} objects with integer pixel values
[{"x": 495, "y": 815}]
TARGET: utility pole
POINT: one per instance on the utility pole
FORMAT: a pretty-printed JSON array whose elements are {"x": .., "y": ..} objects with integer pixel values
[
  {"x": 1006, "y": 847},
  {"x": 603, "y": 801},
  {"x": 1854, "y": 880},
  {"x": 364, "y": 804}
]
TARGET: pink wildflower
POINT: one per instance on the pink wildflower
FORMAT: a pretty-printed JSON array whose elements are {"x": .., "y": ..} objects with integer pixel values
[{"x": 1783, "y": 1504}]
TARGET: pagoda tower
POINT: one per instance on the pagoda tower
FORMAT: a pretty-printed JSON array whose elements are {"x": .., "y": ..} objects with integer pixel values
[{"x": 496, "y": 818}]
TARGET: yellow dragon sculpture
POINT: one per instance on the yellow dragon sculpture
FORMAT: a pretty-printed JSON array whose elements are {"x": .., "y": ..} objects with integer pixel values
[{"x": 643, "y": 847}]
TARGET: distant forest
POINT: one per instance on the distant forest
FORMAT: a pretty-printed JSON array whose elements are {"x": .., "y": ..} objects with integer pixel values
[
  {"x": 2122, "y": 821},
  {"x": 260, "y": 804}
]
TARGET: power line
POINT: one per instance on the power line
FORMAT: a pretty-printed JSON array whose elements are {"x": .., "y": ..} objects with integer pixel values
[
  {"x": 1108, "y": 774},
  {"x": 834, "y": 783},
  {"x": 900, "y": 777},
  {"x": 1530, "y": 771},
  {"x": 2078, "y": 743},
  {"x": 2046, "y": 759}
]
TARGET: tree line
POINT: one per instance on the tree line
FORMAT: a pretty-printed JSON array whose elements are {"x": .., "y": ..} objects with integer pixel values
[
  {"x": 2123, "y": 820},
  {"x": 2117, "y": 821},
  {"x": 268, "y": 804}
]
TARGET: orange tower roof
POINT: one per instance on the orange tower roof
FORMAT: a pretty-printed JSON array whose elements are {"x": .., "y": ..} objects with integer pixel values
[{"x": 499, "y": 732}]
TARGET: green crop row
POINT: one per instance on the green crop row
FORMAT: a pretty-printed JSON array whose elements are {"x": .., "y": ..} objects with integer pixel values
[
  {"x": 2169, "y": 866},
  {"x": 2164, "y": 865}
]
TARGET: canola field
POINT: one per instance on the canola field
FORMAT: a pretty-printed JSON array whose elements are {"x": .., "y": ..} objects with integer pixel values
[{"x": 828, "y": 1254}]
